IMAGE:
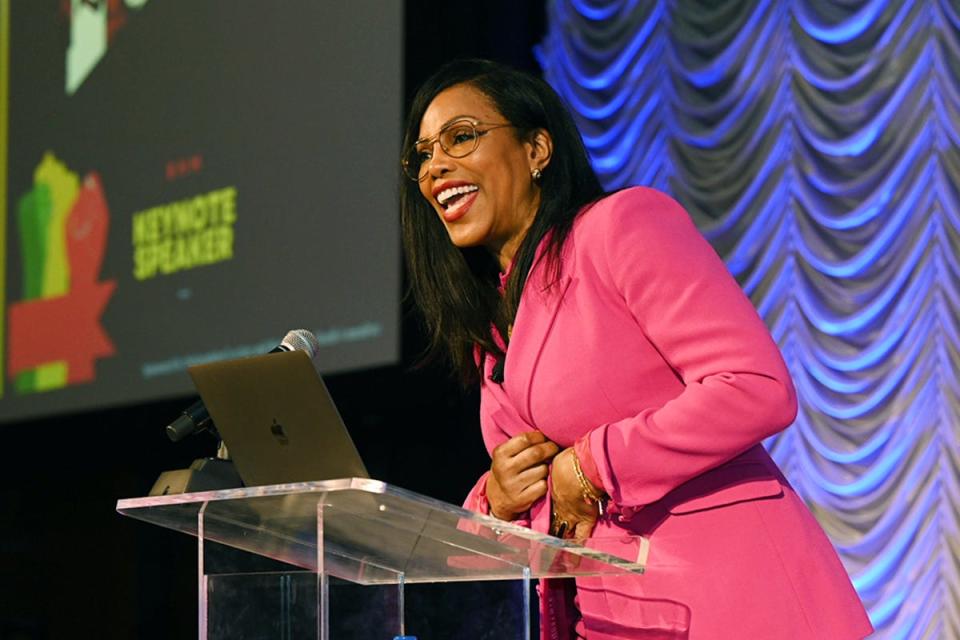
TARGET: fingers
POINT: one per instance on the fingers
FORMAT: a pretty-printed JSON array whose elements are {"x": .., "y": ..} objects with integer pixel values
[
  {"x": 536, "y": 454},
  {"x": 509, "y": 457},
  {"x": 519, "y": 472},
  {"x": 513, "y": 446},
  {"x": 567, "y": 501},
  {"x": 532, "y": 475},
  {"x": 528, "y": 486},
  {"x": 533, "y": 492},
  {"x": 573, "y": 526},
  {"x": 515, "y": 480},
  {"x": 581, "y": 531},
  {"x": 516, "y": 444},
  {"x": 511, "y": 493},
  {"x": 506, "y": 504}
]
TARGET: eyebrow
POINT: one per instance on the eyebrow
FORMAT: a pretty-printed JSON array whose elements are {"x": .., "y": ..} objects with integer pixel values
[{"x": 446, "y": 124}]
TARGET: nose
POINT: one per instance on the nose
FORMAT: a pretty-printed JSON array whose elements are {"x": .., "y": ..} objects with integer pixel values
[{"x": 439, "y": 162}]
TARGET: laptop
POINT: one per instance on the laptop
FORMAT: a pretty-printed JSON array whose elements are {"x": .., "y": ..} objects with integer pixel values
[{"x": 277, "y": 419}]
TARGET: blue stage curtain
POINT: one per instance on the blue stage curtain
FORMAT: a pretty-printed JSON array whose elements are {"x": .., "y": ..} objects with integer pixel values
[{"x": 816, "y": 146}]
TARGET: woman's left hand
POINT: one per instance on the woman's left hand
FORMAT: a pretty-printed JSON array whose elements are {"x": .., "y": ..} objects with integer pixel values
[{"x": 568, "y": 501}]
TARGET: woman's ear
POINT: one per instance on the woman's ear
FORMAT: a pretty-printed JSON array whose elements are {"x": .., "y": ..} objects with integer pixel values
[{"x": 540, "y": 148}]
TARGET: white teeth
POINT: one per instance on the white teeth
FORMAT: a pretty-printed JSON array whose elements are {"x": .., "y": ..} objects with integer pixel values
[{"x": 446, "y": 194}]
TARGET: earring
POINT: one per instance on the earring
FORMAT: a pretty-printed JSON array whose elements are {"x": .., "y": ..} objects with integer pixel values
[{"x": 537, "y": 174}]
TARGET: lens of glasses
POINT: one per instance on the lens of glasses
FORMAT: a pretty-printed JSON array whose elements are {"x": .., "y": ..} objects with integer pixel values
[
  {"x": 413, "y": 165},
  {"x": 457, "y": 139}
]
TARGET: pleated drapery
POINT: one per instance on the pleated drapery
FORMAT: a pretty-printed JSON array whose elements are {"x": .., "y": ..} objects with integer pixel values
[{"x": 817, "y": 146}]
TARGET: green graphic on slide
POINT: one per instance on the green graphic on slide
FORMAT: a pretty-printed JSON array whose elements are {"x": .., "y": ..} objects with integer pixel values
[{"x": 41, "y": 219}]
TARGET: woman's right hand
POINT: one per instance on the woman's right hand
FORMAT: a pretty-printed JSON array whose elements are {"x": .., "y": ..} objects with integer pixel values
[{"x": 518, "y": 474}]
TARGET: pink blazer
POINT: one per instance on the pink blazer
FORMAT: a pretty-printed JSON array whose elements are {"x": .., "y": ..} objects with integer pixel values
[{"x": 646, "y": 343}]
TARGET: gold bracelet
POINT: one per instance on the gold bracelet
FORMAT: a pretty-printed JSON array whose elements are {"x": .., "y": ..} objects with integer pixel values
[{"x": 589, "y": 495}]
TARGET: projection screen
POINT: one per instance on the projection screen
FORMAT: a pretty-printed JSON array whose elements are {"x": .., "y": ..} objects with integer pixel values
[{"x": 186, "y": 182}]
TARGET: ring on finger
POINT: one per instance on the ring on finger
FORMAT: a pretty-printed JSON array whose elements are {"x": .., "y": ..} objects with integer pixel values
[{"x": 560, "y": 527}]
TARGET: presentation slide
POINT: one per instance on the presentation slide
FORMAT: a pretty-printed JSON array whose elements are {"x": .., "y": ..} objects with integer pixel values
[{"x": 186, "y": 181}]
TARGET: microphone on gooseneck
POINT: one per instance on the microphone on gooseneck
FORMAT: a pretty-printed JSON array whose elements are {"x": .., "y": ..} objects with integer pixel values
[{"x": 196, "y": 418}]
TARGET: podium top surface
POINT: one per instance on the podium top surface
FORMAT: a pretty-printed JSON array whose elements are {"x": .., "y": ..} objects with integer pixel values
[{"x": 374, "y": 533}]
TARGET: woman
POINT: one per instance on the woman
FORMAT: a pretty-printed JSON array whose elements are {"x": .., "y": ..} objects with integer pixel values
[{"x": 626, "y": 381}]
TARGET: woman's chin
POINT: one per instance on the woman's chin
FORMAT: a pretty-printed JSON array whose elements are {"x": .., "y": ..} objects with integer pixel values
[
  {"x": 463, "y": 244},
  {"x": 462, "y": 238}
]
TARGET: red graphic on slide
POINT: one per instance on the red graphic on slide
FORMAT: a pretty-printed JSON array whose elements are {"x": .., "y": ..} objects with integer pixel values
[{"x": 66, "y": 328}]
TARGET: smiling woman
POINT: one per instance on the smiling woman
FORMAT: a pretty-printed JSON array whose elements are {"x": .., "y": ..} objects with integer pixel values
[
  {"x": 626, "y": 382},
  {"x": 524, "y": 189},
  {"x": 482, "y": 191}
]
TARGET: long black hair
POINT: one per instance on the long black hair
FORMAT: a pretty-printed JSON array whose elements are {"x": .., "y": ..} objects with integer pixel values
[{"x": 457, "y": 289}]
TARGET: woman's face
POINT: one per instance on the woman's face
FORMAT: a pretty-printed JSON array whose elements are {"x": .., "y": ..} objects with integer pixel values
[{"x": 496, "y": 197}]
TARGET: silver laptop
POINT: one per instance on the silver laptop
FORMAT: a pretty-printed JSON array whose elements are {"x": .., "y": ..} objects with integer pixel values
[{"x": 277, "y": 419}]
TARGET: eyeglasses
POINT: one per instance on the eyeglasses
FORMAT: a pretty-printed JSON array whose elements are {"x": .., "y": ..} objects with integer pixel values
[{"x": 457, "y": 139}]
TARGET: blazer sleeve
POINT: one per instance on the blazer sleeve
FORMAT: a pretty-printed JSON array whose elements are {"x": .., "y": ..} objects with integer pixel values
[
  {"x": 492, "y": 418},
  {"x": 476, "y": 500},
  {"x": 736, "y": 387}
]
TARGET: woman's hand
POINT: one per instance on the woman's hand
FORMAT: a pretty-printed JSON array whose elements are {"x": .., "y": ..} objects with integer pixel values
[
  {"x": 569, "y": 505},
  {"x": 518, "y": 474}
]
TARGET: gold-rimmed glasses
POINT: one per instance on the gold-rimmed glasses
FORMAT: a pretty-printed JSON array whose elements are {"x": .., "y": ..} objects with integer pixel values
[{"x": 457, "y": 139}]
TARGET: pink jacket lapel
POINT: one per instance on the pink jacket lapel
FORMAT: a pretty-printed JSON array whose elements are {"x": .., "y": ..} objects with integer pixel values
[{"x": 541, "y": 301}]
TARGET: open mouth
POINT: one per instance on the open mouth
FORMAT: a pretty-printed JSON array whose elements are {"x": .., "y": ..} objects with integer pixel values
[{"x": 449, "y": 198}]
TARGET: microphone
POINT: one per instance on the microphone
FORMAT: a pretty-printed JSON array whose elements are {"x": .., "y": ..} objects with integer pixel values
[{"x": 196, "y": 418}]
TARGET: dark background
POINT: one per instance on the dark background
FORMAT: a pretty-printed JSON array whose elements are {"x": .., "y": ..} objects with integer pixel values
[{"x": 70, "y": 567}]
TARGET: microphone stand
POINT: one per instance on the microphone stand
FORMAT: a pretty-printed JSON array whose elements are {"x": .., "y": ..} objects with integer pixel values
[{"x": 204, "y": 474}]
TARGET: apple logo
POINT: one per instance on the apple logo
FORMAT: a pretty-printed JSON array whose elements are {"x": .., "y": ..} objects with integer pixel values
[{"x": 279, "y": 432}]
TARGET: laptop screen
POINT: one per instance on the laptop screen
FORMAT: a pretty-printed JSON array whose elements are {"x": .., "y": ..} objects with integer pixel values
[{"x": 277, "y": 419}]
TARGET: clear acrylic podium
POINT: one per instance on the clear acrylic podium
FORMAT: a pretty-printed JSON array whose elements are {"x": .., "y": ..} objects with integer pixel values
[{"x": 337, "y": 559}]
